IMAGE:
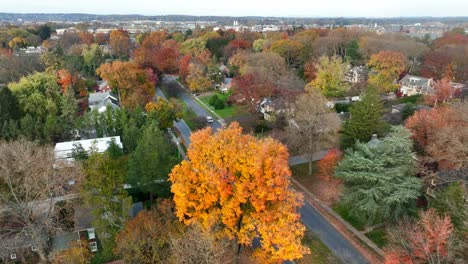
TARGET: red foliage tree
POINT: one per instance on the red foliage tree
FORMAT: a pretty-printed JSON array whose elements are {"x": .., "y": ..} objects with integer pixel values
[
  {"x": 240, "y": 44},
  {"x": 424, "y": 123},
  {"x": 426, "y": 241},
  {"x": 435, "y": 64},
  {"x": 184, "y": 64},
  {"x": 328, "y": 163},
  {"x": 252, "y": 88},
  {"x": 310, "y": 71},
  {"x": 443, "y": 92},
  {"x": 86, "y": 37}
]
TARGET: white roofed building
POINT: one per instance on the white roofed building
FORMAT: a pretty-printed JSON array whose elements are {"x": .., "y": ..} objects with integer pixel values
[{"x": 64, "y": 150}]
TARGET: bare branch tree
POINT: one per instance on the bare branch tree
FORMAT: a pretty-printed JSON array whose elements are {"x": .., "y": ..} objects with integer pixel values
[
  {"x": 30, "y": 186},
  {"x": 312, "y": 125}
]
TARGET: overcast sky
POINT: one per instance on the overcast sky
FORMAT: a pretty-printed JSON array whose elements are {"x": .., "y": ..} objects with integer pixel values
[{"x": 303, "y": 8}]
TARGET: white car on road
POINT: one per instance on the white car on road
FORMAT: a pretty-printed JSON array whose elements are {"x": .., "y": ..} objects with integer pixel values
[{"x": 209, "y": 119}]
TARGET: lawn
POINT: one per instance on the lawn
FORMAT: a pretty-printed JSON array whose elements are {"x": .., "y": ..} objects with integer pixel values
[
  {"x": 301, "y": 173},
  {"x": 344, "y": 211},
  {"x": 319, "y": 253},
  {"x": 378, "y": 236},
  {"x": 414, "y": 99},
  {"x": 227, "y": 111}
]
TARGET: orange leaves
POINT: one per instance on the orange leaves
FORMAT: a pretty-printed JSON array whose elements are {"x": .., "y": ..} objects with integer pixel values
[
  {"x": 328, "y": 163},
  {"x": 243, "y": 183},
  {"x": 65, "y": 79},
  {"x": 133, "y": 84},
  {"x": 119, "y": 40}
]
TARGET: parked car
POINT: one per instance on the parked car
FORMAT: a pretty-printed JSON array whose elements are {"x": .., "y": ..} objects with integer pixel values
[{"x": 209, "y": 119}]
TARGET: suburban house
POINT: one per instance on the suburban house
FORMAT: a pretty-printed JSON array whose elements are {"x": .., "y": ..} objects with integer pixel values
[
  {"x": 271, "y": 108},
  {"x": 64, "y": 150},
  {"x": 412, "y": 85},
  {"x": 100, "y": 101},
  {"x": 225, "y": 85},
  {"x": 356, "y": 74}
]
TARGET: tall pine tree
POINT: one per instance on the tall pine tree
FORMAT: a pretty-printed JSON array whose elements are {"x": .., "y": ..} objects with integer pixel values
[
  {"x": 151, "y": 162},
  {"x": 365, "y": 120},
  {"x": 379, "y": 177}
]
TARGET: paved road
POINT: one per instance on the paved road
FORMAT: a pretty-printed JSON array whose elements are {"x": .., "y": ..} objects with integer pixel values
[
  {"x": 191, "y": 103},
  {"x": 340, "y": 247},
  {"x": 180, "y": 125}
]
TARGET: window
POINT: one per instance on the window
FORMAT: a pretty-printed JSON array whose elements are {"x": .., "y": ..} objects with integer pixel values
[
  {"x": 91, "y": 234},
  {"x": 12, "y": 256},
  {"x": 93, "y": 246}
]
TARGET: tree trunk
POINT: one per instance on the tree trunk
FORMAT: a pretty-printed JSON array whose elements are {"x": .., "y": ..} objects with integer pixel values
[
  {"x": 151, "y": 199},
  {"x": 42, "y": 254},
  {"x": 310, "y": 166}
]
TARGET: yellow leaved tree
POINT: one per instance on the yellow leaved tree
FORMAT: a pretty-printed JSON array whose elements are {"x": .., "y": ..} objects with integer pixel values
[{"x": 240, "y": 185}]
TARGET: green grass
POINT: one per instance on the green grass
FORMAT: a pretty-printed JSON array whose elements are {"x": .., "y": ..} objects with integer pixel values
[
  {"x": 378, "y": 236},
  {"x": 227, "y": 111},
  {"x": 414, "y": 99},
  {"x": 319, "y": 253},
  {"x": 344, "y": 211}
]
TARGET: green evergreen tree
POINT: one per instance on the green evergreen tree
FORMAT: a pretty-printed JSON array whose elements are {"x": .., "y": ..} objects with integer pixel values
[
  {"x": 114, "y": 150},
  {"x": 352, "y": 52},
  {"x": 365, "y": 120},
  {"x": 451, "y": 201},
  {"x": 9, "y": 106},
  {"x": 103, "y": 191},
  {"x": 379, "y": 177},
  {"x": 150, "y": 164}
]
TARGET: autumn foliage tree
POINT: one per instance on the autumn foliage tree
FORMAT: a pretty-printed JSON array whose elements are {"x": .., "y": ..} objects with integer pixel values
[
  {"x": 426, "y": 241},
  {"x": 388, "y": 65},
  {"x": 145, "y": 239},
  {"x": 119, "y": 40},
  {"x": 132, "y": 84},
  {"x": 164, "y": 111},
  {"x": 253, "y": 88},
  {"x": 77, "y": 253},
  {"x": 328, "y": 163},
  {"x": 443, "y": 92},
  {"x": 240, "y": 185},
  {"x": 441, "y": 134}
]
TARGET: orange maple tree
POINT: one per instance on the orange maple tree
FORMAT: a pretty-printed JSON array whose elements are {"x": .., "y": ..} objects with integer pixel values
[
  {"x": 241, "y": 185},
  {"x": 426, "y": 241},
  {"x": 132, "y": 84},
  {"x": 119, "y": 40},
  {"x": 388, "y": 65},
  {"x": 328, "y": 163},
  {"x": 77, "y": 253}
]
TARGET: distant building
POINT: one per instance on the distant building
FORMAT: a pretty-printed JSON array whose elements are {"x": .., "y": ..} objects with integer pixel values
[
  {"x": 32, "y": 50},
  {"x": 356, "y": 74},
  {"x": 101, "y": 100}
]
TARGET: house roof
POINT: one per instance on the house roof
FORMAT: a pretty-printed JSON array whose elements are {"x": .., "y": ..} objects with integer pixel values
[
  {"x": 64, "y": 150},
  {"x": 96, "y": 98}
]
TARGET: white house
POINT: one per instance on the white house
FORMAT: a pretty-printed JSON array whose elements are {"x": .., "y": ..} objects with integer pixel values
[
  {"x": 100, "y": 101},
  {"x": 356, "y": 74},
  {"x": 412, "y": 85},
  {"x": 64, "y": 150},
  {"x": 226, "y": 85}
]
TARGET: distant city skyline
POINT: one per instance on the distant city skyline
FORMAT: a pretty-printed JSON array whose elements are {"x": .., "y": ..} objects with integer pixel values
[{"x": 291, "y": 8}]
